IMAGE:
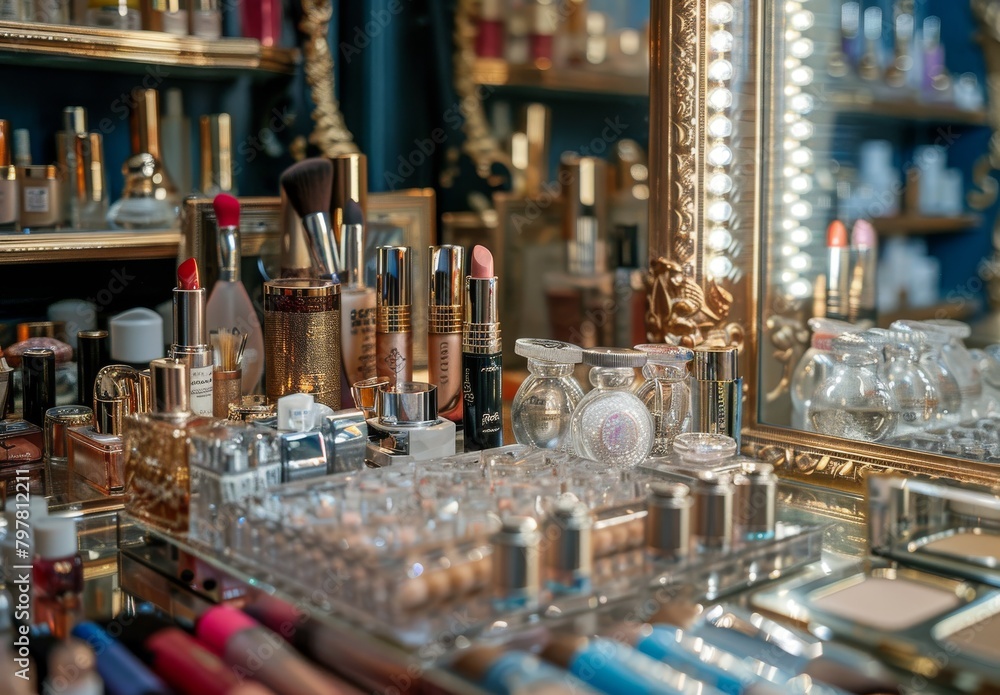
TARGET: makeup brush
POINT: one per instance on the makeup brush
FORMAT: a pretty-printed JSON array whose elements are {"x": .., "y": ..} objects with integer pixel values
[
  {"x": 309, "y": 185},
  {"x": 229, "y": 304},
  {"x": 351, "y": 242},
  {"x": 228, "y": 344}
]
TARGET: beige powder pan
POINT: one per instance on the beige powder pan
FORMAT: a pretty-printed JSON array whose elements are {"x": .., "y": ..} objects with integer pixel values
[
  {"x": 975, "y": 632},
  {"x": 970, "y": 545},
  {"x": 883, "y": 603}
]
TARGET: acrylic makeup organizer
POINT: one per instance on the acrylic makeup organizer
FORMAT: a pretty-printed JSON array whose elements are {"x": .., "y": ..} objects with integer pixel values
[{"x": 408, "y": 550}]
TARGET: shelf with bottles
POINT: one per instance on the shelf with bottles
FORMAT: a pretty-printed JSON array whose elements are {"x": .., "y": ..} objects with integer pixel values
[
  {"x": 911, "y": 224},
  {"x": 74, "y": 245},
  {"x": 906, "y": 108},
  {"x": 85, "y": 47},
  {"x": 499, "y": 73}
]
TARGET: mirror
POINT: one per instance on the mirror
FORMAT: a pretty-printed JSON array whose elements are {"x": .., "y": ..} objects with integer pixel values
[
  {"x": 770, "y": 120},
  {"x": 878, "y": 211}
]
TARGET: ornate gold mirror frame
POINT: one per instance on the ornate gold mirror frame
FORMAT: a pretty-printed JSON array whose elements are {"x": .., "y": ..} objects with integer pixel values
[{"x": 708, "y": 125}]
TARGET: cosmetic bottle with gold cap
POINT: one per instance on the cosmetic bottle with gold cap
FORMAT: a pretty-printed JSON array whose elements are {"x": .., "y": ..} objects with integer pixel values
[
  {"x": 217, "y": 155},
  {"x": 9, "y": 197},
  {"x": 157, "y": 474},
  {"x": 144, "y": 128},
  {"x": 95, "y": 451},
  {"x": 393, "y": 330}
]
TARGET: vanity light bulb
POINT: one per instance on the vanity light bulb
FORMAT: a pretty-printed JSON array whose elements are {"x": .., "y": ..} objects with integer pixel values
[
  {"x": 800, "y": 184},
  {"x": 720, "y": 98},
  {"x": 789, "y": 225},
  {"x": 799, "y": 288},
  {"x": 801, "y": 48},
  {"x": 788, "y": 198},
  {"x": 799, "y": 262},
  {"x": 800, "y": 210},
  {"x": 801, "y": 157},
  {"x": 719, "y": 211},
  {"x": 789, "y": 171},
  {"x": 721, "y": 13},
  {"x": 789, "y": 144},
  {"x": 719, "y": 239},
  {"x": 721, "y": 41},
  {"x": 801, "y": 130},
  {"x": 720, "y": 127},
  {"x": 801, "y": 75},
  {"x": 788, "y": 277},
  {"x": 802, "y": 103},
  {"x": 720, "y": 70},
  {"x": 720, "y": 156},
  {"x": 792, "y": 63},
  {"x": 788, "y": 250},
  {"x": 720, "y": 184},
  {"x": 802, "y": 20},
  {"x": 792, "y": 6},
  {"x": 800, "y": 236},
  {"x": 791, "y": 35},
  {"x": 720, "y": 267}
]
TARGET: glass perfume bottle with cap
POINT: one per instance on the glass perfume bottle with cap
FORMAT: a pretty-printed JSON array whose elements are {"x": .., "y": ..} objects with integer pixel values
[
  {"x": 814, "y": 366},
  {"x": 407, "y": 427},
  {"x": 542, "y": 411},
  {"x": 910, "y": 384},
  {"x": 962, "y": 365},
  {"x": 611, "y": 425},
  {"x": 157, "y": 474},
  {"x": 931, "y": 357},
  {"x": 666, "y": 392},
  {"x": 853, "y": 402}
]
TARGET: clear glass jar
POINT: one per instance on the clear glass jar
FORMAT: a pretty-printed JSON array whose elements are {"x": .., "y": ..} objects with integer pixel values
[
  {"x": 814, "y": 366},
  {"x": 666, "y": 393},
  {"x": 988, "y": 361},
  {"x": 542, "y": 411},
  {"x": 930, "y": 356},
  {"x": 910, "y": 384},
  {"x": 698, "y": 451},
  {"x": 611, "y": 425},
  {"x": 962, "y": 364},
  {"x": 853, "y": 402}
]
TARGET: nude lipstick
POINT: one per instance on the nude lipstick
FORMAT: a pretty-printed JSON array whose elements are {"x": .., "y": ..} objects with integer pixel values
[
  {"x": 191, "y": 344},
  {"x": 838, "y": 273},
  {"x": 444, "y": 328},
  {"x": 482, "y": 371},
  {"x": 393, "y": 330},
  {"x": 862, "y": 301}
]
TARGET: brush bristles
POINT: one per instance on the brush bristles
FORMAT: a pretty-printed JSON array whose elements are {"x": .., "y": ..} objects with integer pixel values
[
  {"x": 309, "y": 185},
  {"x": 228, "y": 345}
]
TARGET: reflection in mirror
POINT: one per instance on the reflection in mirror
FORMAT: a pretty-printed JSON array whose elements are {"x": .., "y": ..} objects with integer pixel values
[{"x": 877, "y": 293}]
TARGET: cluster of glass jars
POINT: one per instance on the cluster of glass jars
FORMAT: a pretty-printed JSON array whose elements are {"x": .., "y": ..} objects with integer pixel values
[
  {"x": 914, "y": 384},
  {"x": 620, "y": 421}
]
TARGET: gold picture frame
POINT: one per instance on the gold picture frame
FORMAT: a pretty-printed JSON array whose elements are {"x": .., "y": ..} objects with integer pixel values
[
  {"x": 405, "y": 218},
  {"x": 691, "y": 303}
]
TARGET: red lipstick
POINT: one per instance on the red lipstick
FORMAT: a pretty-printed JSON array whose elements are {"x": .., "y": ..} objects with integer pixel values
[
  {"x": 482, "y": 370},
  {"x": 191, "y": 335}
]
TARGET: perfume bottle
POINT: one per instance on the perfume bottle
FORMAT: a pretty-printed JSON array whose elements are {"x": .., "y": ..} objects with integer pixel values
[
  {"x": 542, "y": 411},
  {"x": 910, "y": 384},
  {"x": 157, "y": 475},
  {"x": 853, "y": 402},
  {"x": 611, "y": 425},
  {"x": 962, "y": 365},
  {"x": 666, "y": 392},
  {"x": 930, "y": 344},
  {"x": 814, "y": 366},
  {"x": 407, "y": 427},
  {"x": 357, "y": 307}
]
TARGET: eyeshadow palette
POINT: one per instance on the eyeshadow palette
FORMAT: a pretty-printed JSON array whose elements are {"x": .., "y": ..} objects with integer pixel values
[{"x": 906, "y": 617}]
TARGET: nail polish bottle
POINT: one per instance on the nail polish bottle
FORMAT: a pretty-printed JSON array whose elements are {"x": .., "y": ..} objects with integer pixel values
[
  {"x": 57, "y": 568},
  {"x": 407, "y": 427}
]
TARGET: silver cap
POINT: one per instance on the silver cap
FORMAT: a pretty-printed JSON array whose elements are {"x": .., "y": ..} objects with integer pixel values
[
  {"x": 409, "y": 403},
  {"x": 352, "y": 255},
  {"x": 548, "y": 350},
  {"x": 755, "y": 498},
  {"x": 75, "y": 120},
  {"x": 616, "y": 358},
  {"x": 393, "y": 276},
  {"x": 716, "y": 363},
  {"x": 228, "y": 246},
  {"x": 170, "y": 386},
  {"x": 516, "y": 566},
  {"x": 569, "y": 527},
  {"x": 668, "y": 520},
  {"x": 713, "y": 495},
  {"x": 303, "y": 455},
  {"x": 346, "y": 434}
]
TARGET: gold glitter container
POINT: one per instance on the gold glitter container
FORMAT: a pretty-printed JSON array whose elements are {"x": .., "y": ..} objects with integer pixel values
[{"x": 302, "y": 339}]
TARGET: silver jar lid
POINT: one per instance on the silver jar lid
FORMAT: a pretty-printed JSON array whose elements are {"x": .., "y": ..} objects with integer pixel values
[
  {"x": 716, "y": 363},
  {"x": 662, "y": 353},
  {"x": 701, "y": 446},
  {"x": 614, "y": 358},
  {"x": 409, "y": 403},
  {"x": 548, "y": 350}
]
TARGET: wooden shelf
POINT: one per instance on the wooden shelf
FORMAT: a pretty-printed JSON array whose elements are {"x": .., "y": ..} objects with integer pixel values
[
  {"x": 907, "y": 108},
  {"x": 945, "y": 310},
  {"x": 65, "y": 46},
  {"x": 905, "y": 225},
  {"x": 498, "y": 73},
  {"x": 57, "y": 246}
]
